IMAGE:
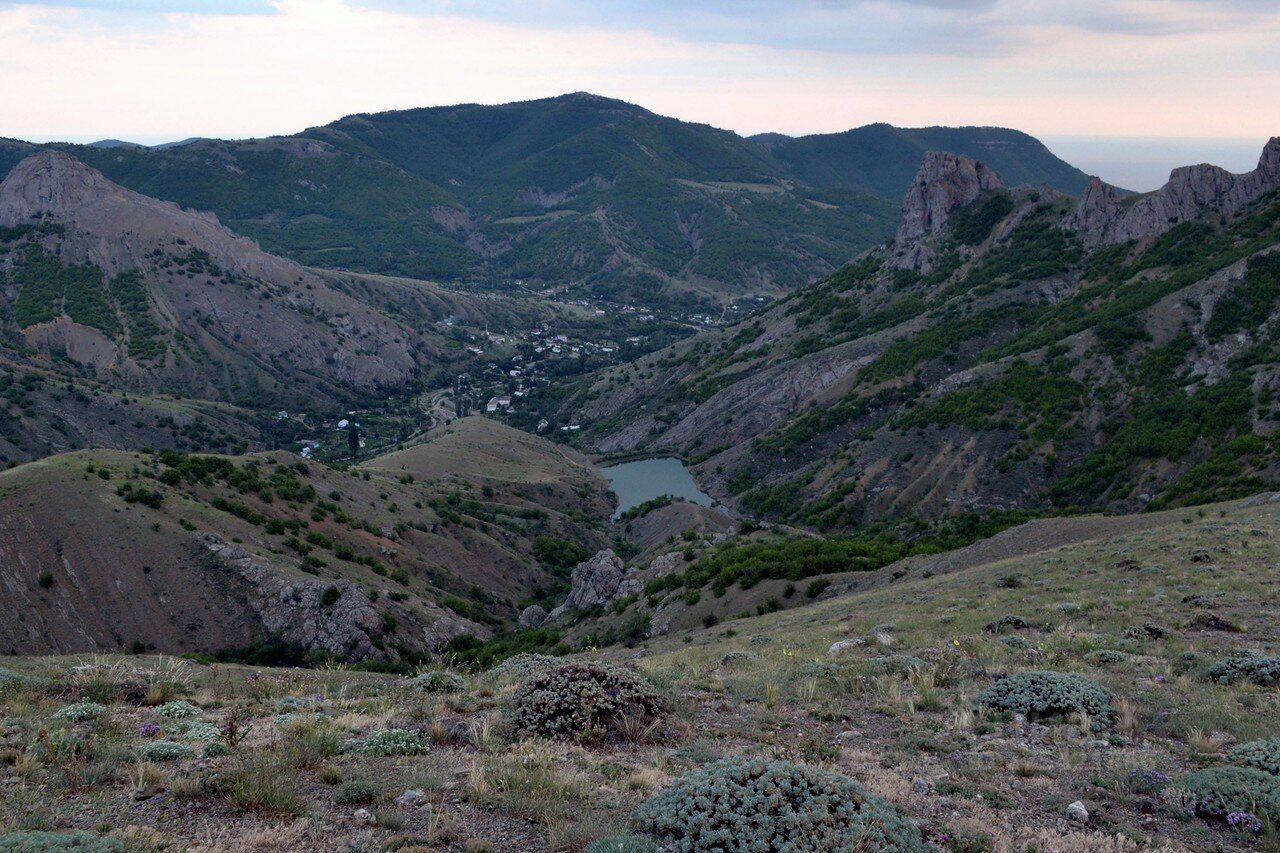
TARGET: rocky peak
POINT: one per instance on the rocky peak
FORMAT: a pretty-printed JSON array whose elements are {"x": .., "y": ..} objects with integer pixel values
[
  {"x": 945, "y": 181},
  {"x": 1191, "y": 192},
  {"x": 48, "y": 184}
]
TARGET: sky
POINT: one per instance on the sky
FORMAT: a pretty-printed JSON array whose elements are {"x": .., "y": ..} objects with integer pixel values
[{"x": 1122, "y": 88}]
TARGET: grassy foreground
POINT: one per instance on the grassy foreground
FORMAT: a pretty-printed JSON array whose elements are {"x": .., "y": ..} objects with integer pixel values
[{"x": 181, "y": 756}]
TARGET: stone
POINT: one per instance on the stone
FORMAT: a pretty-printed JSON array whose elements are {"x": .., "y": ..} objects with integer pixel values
[
  {"x": 1077, "y": 812},
  {"x": 598, "y": 582},
  {"x": 411, "y": 798},
  {"x": 839, "y": 647},
  {"x": 532, "y": 617},
  {"x": 364, "y": 817}
]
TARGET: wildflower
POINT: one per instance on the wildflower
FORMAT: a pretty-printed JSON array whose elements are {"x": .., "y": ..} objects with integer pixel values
[
  {"x": 1245, "y": 822},
  {"x": 149, "y": 729}
]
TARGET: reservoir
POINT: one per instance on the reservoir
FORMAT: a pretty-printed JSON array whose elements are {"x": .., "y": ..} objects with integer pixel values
[{"x": 637, "y": 482}]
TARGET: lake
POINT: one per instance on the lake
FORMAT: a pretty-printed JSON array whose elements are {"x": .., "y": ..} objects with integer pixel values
[{"x": 637, "y": 482}]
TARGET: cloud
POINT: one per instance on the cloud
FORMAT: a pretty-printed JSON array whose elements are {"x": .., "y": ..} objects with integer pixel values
[{"x": 149, "y": 70}]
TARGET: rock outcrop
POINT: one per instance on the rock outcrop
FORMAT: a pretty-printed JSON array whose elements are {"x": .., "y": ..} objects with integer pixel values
[
  {"x": 532, "y": 617},
  {"x": 945, "y": 181},
  {"x": 1190, "y": 193},
  {"x": 598, "y": 582},
  {"x": 327, "y": 617}
]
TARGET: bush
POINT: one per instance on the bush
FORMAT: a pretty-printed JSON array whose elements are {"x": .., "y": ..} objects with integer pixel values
[
  {"x": 1259, "y": 754},
  {"x": 48, "y": 842},
  {"x": 584, "y": 699},
  {"x": 355, "y": 792},
  {"x": 203, "y": 732},
  {"x": 1263, "y": 671},
  {"x": 165, "y": 750},
  {"x": 523, "y": 665},
  {"x": 80, "y": 712},
  {"x": 180, "y": 710},
  {"x": 623, "y": 844},
  {"x": 439, "y": 682},
  {"x": 394, "y": 742},
  {"x": 756, "y": 804},
  {"x": 1221, "y": 791},
  {"x": 1044, "y": 694}
]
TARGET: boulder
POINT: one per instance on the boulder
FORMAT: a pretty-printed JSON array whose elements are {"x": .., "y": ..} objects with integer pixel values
[
  {"x": 1077, "y": 812},
  {"x": 596, "y": 583},
  {"x": 532, "y": 617}
]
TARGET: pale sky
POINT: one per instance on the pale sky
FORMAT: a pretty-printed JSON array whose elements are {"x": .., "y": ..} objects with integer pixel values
[{"x": 1125, "y": 88}]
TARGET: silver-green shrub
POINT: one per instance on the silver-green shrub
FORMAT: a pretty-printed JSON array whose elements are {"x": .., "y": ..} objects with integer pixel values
[
  {"x": 753, "y": 804},
  {"x": 1222, "y": 791},
  {"x": 79, "y": 712},
  {"x": 165, "y": 750},
  {"x": 394, "y": 742},
  {"x": 1259, "y": 754},
  {"x": 1263, "y": 671},
  {"x": 1042, "y": 693},
  {"x": 438, "y": 681}
]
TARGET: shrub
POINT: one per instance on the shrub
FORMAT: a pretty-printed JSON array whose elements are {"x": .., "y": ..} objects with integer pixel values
[
  {"x": 523, "y": 665},
  {"x": 623, "y": 844},
  {"x": 48, "y": 842},
  {"x": 1259, "y": 754},
  {"x": 583, "y": 699},
  {"x": 165, "y": 750},
  {"x": 1221, "y": 791},
  {"x": 439, "y": 682},
  {"x": 180, "y": 710},
  {"x": 394, "y": 742},
  {"x": 1263, "y": 671},
  {"x": 1042, "y": 694},
  {"x": 79, "y": 712},
  {"x": 355, "y": 792},
  {"x": 203, "y": 732},
  {"x": 773, "y": 805}
]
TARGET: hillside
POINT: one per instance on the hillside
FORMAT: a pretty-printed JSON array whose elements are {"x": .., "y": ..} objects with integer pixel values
[
  {"x": 274, "y": 556},
  {"x": 1011, "y": 350},
  {"x": 579, "y": 190},
  {"x": 883, "y": 686},
  {"x": 128, "y": 322}
]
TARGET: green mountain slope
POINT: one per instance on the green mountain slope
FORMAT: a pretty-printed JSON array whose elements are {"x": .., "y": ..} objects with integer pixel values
[
  {"x": 882, "y": 159},
  {"x": 1012, "y": 359},
  {"x": 587, "y": 193}
]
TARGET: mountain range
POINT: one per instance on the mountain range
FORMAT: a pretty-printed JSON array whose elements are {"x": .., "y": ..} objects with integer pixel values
[{"x": 581, "y": 192}]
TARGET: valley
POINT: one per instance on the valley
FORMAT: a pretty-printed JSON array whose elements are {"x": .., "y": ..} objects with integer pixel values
[{"x": 487, "y": 478}]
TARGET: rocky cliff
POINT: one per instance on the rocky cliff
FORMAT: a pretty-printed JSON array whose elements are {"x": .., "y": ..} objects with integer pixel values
[
  {"x": 1191, "y": 192},
  {"x": 945, "y": 181}
]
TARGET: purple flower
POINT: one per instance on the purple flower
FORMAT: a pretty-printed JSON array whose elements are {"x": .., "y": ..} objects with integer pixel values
[
  {"x": 149, "y": 729},
  {"x": 1245, "y": 822}
]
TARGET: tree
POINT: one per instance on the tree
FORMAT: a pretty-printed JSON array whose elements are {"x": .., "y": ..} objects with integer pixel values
[{"x": 353, "y": 438}]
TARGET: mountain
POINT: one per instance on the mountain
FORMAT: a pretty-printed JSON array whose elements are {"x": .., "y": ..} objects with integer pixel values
[
  {"x": 129, "y": 322},
  {"x": 578, "y": 191},
  {"x": 882, "y": 159},
  {"x": 1012, "y": 350}
]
